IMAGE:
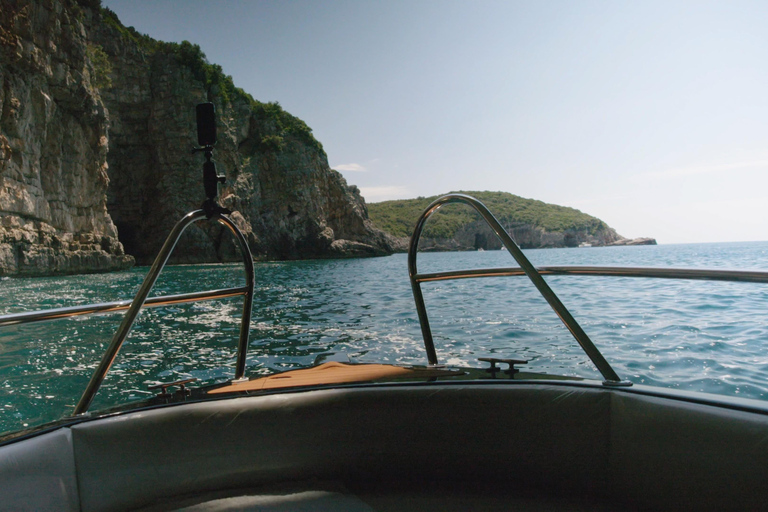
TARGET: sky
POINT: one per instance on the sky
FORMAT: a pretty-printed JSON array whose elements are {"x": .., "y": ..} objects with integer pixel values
[{"x": 652, "y": 115}]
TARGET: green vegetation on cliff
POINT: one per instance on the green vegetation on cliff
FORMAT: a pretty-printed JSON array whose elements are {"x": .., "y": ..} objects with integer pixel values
[
  {"x": 218, "y": 84},
  {"x": 398, "y": 218}
]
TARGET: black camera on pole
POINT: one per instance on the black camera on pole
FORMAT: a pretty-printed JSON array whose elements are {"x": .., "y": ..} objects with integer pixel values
[{"x": 206, "y": 138}]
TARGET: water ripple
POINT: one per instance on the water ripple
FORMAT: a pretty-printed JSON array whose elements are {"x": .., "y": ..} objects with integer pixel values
[{"x": 701, "y": 336}]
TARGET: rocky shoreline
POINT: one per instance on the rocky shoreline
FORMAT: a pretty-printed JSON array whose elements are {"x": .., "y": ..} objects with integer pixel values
[
  {"x": 633, "y": 241},
  {"x": 401, "y": 245}
]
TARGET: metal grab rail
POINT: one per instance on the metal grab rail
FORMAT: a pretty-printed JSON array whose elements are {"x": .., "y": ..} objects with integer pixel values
[
  {"x": 119, "y": 305},
  {"x": 608, "y": 373},
  {"x": 146, "y": 287},
  {"x": 741, "y": 276}
]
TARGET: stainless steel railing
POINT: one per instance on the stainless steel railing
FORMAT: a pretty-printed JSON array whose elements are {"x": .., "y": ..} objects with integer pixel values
[
  {"x": 142, "y": 300},
  {"x": 149, "y": 281},
  {"x": 743, "y": 276},
  {"x": 608, "y": 373},
  {"x": 113, "y": 307},
  {"x": 526, "y": 269}
]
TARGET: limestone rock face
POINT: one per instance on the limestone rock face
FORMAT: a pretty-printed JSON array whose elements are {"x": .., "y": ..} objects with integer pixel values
[
  {"x": 479, "y": 236},
  {"x": 287, "y": 201},
  {"x": 96, "y": 127},
  {"x": 53, "y": 147}
]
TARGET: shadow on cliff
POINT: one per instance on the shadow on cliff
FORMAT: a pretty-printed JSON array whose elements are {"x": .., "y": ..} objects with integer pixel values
[{"x": 288, "y": 202}]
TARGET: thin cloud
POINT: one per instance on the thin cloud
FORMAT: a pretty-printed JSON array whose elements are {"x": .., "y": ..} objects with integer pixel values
[
  {"x": 351, "y": 167},
  {"x": 698, "y": 170},
  {"x": 385, "y": 193}
]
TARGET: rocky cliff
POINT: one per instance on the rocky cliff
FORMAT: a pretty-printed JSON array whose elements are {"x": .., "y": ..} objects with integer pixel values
[
  {"x": 53, "y": 147},
  {"x": 97, "y": 126}
]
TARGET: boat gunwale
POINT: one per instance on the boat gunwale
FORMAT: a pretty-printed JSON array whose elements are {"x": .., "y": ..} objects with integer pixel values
[{"x": 746, "y": 405}]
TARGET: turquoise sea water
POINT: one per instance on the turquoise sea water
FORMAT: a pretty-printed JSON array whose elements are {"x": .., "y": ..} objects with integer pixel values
[{"x": 694, "y": 335}]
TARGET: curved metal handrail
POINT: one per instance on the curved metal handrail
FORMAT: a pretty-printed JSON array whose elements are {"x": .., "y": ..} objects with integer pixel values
[
  {"x": 608, "y": 373},
  {"x": 149, "y": 281}
]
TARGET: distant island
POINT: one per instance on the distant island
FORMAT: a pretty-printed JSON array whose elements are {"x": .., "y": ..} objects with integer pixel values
[{"x": 532, "y": 224}]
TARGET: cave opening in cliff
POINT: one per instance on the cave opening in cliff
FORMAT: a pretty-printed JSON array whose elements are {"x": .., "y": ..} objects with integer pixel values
[
  {"x": 481, "y": 241},
  {"x": 126, "y": 233}
]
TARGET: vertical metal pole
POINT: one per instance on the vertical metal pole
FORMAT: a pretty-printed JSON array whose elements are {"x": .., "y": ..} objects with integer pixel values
[
  {"x": 245, "y": 324},
  {"x": 426, "y": 332},
  {"x": 418, "y": 297}
]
